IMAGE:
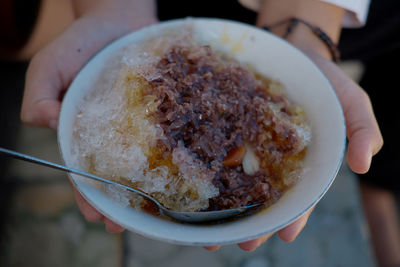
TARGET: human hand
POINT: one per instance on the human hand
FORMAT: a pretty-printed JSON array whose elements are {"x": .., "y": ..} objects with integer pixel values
[
  {"x": 365, "y": 139},
  {"x": 363, "y": 132},
  {"x": 52, "y": 69}
]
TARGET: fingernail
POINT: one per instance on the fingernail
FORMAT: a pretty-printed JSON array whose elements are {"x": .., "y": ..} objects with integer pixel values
[
  {"x": 53, "y": 124},
  {"x": 250, "y": 245},
  {"x": 212, "y": 248}
]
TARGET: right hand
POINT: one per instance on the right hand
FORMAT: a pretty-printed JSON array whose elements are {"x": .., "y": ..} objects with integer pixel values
[{"x": 365, "y": 139}]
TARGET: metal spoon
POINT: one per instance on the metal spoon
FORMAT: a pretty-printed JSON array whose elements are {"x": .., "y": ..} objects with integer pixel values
[{"x": 190, "y": 217}]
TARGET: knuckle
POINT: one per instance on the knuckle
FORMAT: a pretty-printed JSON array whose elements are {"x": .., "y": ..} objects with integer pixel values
[
  {"x": 26, "y": 115},
  {"x": 30, "y": 115}
]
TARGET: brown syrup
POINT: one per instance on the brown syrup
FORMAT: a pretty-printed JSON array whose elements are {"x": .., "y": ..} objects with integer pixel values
[{"x": 160, "y": 155}]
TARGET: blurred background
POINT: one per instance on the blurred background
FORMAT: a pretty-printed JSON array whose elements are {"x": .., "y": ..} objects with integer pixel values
[{"x": 41, "y": 224}]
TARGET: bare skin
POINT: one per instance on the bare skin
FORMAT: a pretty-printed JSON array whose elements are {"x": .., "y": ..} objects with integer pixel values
[
  {"x": 381, "y": 212},
  {"x": 99, "y": 22}
]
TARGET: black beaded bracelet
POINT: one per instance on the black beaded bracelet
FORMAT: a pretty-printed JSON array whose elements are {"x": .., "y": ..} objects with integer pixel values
[{"x": 293, "y": 22}]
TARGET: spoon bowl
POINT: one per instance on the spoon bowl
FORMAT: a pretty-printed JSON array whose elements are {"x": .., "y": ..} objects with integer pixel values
[{"x": 188, "y": 217}]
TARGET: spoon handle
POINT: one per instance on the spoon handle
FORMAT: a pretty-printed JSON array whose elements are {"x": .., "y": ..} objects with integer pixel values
[{"x": 68, "y": 169}]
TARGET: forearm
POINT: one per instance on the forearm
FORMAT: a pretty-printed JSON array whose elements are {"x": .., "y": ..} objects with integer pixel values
[{"x": 326, "y": 16}]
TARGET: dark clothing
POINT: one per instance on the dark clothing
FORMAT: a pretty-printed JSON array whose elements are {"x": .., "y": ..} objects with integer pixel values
[
  {"x": 11, "y": 88},
  {"x": 380, "y": 81},
  {"x": 224, "y": 9},
  {"x": 378, "y": 38},
  {"x": 377, "y": 45},
  {"x": 17, "y": 20}
]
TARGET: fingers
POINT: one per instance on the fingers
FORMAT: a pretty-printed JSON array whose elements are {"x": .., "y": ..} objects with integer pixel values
[
  {"x": 212, "y": 248},
  {"x": 41, "y": 113},
  {"x": 246, "y": 246},
  {"x": 112, "y": 227},
  {"x": 253, "y": 244},
  {"x": 92, "y": 215},
  {"x": 41, "y": 105},
  {"x": 290, "y": 232}
]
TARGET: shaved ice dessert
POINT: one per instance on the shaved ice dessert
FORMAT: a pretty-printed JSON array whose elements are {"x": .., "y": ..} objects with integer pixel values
[{"x": 191, "y": 126}]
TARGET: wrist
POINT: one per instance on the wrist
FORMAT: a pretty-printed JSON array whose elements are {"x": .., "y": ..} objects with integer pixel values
[
  {"x": 308, "y": 37},
  {"x": 317, "y": 14}
]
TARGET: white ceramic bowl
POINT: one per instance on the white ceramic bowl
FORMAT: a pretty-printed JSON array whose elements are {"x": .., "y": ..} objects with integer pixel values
[{"x": 271, "y": 56}]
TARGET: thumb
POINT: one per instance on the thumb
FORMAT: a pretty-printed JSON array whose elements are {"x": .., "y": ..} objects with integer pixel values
[
  {"x": 45, "y": 114},
  {"x": 41, "y": 104},
  {"x": 365, "y": 139},
  {"x": 52, "y": 70}
]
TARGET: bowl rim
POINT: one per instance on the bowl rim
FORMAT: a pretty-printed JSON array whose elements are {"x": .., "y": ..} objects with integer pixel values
[{"x": 231, "y": 240}]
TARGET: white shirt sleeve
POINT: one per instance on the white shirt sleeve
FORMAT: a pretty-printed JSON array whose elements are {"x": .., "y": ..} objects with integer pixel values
[{"x": 355, "y": 16}]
